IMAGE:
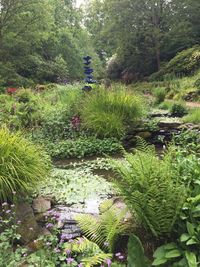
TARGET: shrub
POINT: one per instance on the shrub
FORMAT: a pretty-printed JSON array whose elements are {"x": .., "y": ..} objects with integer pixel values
[
  {"x": 193, "y": 116},
  {"x": 159, "y": 94},
  {"x": 184, "y": 63},
  {"x": 150, "y": 189},
  {"x": 81, "y": 147},
  {"x": 166, "y": 105},
  {"x": 107, "y": 112},
  {"x": 178, "y": 109},
  {"x": 22, "y": 165},
  {"x": 197, "y": 84}
]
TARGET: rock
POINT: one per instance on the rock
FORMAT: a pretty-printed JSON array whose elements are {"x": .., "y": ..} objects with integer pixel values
[
  {"x": 41, "y": 205},
  {"x": 28, "y": 227},
  {"x": 169, "y": 124},
  {"x": 144, "y": 135}
]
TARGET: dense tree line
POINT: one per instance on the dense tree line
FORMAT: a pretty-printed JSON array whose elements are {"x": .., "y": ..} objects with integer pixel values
[
  {"x": 42, "y": 40},
  {"x": 142, "y": 34}
]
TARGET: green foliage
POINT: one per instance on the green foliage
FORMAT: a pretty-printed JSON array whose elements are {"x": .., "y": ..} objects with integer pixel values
[
  {"x": 136, "y": 256},
  {"x": 150, "y": 188},
  {"x": 74, "y": 186},
  {"x": 93, "y": 255},
  {"x": 184, "y": 63},
  {"x": 83, "y": 147},
  {"x": 193, "y": 116},
  {"x": 159, "y": 94},
  {"x": 178, "y": 109},
  {"x": 188, "y": 141},
  {"x": 22, "y": 164},
  {"x": 105, "y": 230},
  {"x": 9, "y": 256},
  {"x": 107, "y": 112}
]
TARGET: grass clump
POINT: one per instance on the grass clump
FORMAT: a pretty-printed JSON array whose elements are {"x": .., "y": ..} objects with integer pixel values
[
  {"x": 107, "y": 112},
  {"x": 159, "y": 94},
  {"x": 193, "y": 116},
  {"x": 22, "y": 164}
]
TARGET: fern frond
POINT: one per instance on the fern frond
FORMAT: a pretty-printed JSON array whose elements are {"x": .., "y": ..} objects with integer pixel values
[
  {"x": 96, "y": 259},
  {"x": 150, "y": 189},
  {"x": 107, "y": 228}
]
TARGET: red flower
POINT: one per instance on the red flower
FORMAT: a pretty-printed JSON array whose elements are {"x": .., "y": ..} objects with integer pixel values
[{"x": 11, "y": 90}]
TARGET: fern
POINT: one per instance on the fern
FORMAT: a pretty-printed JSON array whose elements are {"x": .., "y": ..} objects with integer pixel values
[
  {"x": 150, "y": 188},
  {"x": 96, "y": 259},
  {"x": 107, "y": 228},
  {"x": 93, "y": 254}
]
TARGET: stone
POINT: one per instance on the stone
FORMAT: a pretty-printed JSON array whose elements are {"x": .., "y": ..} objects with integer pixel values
[
  {"x": 41, "y": 205},
  {"x": 144, "y": 135},
  {"x": 28, "y": 227}
]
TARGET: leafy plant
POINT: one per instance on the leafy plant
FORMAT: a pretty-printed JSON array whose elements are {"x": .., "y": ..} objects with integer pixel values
[
  {"x": 178, "y": 110},
  {"x": 82, "y": 147},
  {"x": 74, "y": 186},
  {"x": 150, "y": 188},
  {"x": 22, "y": 164},
  {"x": 107, "y": 112},
  {"x": 91, "y": 254},
  {"x": 193, "y": 116},
  {"x": 136, "y": 256},
  {"x": 159, "y": 94},
  {"x": 105, "y": 230}
]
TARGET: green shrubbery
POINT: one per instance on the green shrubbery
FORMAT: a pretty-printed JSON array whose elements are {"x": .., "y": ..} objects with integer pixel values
[
  {"x": 151, "y": 190},
  {"x": 184, "y": 63},
  {"x": 22, "y": 164},
  {"x": 178, "y": 109},
  {"x": 83, "y": 147},
  {"x": 193, "y": 116},
  {"x": 107, "y": 112}
]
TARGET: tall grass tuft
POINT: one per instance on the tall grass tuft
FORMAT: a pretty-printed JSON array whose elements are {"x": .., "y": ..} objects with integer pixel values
[
  {"x": 22, "y": 165},
  {"x": 108, "y": 112},
  {"x": 193, "y": 116}
]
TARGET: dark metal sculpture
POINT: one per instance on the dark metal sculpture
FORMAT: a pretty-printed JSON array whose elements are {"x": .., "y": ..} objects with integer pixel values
[{"x": 88, "y": 73}]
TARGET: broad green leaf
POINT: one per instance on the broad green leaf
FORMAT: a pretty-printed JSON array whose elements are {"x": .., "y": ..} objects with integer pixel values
[
  {"x": 136, "y": 256},
  {"x": 158, "y": 262},
  {"x": 173, "y": 254},
  {"x": 191, "y": 259},
  {"x": 190, "y": 228},
  {"x": 184, "y": 237}
]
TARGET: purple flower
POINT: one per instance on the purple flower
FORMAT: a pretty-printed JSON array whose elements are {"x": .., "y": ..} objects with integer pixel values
[
  {"x": 69, "y": 260},
  {"x": 68, "y": 251},
  {"x": 118, "y": 254},
  {"x": 13, "y": 205},
  {"x": 80, "y": 265},
  {"x": 108, "y": 262},
  {"x": 57, "y": 250},
  {"x": 31, "y": 228},
  {"x": 8, "y": 211},
  {"x": 18, "y": 222},
  {"x": 49, "y": 225},
  {"x": 48, "y": 244},
  {"x": 106, "y": 244},
  {"x": 121, "y": 257},
  {"x": 4, "y": 204},
  {"x": 66, "y": 236}
]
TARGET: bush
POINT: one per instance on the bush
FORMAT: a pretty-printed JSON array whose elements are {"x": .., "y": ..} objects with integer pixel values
[
  {"x": 82, "y": 147},
  {"x": 159, "y": 94},
  {"x": 178, "y": 110},
  {"x": 107, "y": 112},
  {"x": 193, "y": 116},
  {"x": 22, "y": 165},
  {"x": 197, "y": 84},
  {"x": 184, "y": 63},
  {"x": 151, "y": 189}
]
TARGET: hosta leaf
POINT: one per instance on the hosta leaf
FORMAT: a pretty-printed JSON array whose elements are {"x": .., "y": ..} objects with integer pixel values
[
  {"x": 191, "y": 259},
  {"x": 190, "y": 228},
  {"x": 184, "y": 237},
  {"x": 173, "y": 254},
  {"x": 158, "y": 262}
]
